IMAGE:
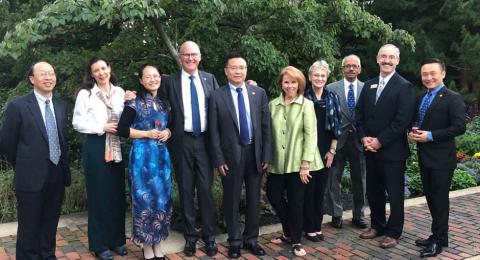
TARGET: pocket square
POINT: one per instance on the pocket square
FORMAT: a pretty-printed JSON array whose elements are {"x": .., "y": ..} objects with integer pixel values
[{"x": 374, "y": 86}]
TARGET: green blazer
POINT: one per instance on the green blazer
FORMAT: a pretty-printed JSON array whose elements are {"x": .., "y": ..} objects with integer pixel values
[{"x": 294, "y": 135}]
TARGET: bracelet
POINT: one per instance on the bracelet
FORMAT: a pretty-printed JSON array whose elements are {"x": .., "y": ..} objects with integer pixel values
[{"x": 332, "y": 151}]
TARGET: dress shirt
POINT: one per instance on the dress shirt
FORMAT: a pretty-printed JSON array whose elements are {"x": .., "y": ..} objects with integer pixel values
[
  {"x": 41, "y": 103},
  {"x": 434, "y": 93},
  {"x": 234, "y": 93},
  {"x": 385, "y": 80},
  {"x": 187, "y": 102},
  {"x": 346, "y": 85},
  {"x": 90, "y": 114},
  {"x": 294, "y": 129}
]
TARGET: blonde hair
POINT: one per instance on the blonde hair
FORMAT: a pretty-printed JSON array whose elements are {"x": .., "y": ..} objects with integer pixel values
[{"x": 294, "y": 73}]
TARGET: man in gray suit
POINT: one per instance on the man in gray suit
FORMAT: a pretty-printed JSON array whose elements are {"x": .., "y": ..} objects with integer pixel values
[
  {"x": 240, "y": 138},
  {"x": 349, "y": 147}
]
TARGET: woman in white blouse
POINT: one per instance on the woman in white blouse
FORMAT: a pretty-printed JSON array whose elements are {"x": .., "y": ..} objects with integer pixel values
[{"x": 98, "y": 107}]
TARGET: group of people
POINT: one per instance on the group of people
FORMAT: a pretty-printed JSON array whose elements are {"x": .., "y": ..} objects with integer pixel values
[{"x": 301, "y": 140}]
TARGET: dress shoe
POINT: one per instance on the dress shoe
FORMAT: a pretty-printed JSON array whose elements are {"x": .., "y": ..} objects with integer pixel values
[
  {"x": 211, "y": 248},
  {"x": 312, "y": 238},
  {"x": 432, "y": 250},
  {"x": 370, "y": 233},
  {"x": 360, "y": 223},
  {"x": 104, "y": 255},
  {"x": 190, "y": 248},
  {"x": 255, "y": 249},
  {"x": 389, "y": 242},
  {"x": 234, "y": 252},
  {"x": 337, "y": 222},
  {"x": 120, "y": 250},
  {"x": 423, "y": 242}
]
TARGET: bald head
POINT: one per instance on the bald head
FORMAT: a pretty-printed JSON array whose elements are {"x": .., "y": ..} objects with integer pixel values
[
  {"x": 42, "y": 77},
  {"x": 190, "y": 57}
]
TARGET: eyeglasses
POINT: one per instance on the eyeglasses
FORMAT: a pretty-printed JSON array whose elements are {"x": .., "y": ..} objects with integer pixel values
[
  {"x": 240, "y": 68},
  {"x": 43, "y": 74},
  {"x": 351, "y": 66},
  {"x": 190, "y": 55},
  {"x": 150, "y": 77}
]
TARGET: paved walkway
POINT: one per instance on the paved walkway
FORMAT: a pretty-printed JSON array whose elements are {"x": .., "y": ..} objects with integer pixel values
[{"x": 339, "y": 243}]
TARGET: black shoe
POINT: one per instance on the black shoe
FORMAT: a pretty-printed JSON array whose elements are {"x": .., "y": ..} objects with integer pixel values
[
  {"x": 190, "y": 248},
  {"x": 104, "y": 255},
  {"x": 211, "y": 248},
  {"x": 423, "y": 242},
  {"x": 255, "y": 249},
  {"x": 360, "y": 223},
  {"x": 120, "y": 250},
  {"x": 234, "y": 252},
  {"x": 337, "y": 222},
  {"x": 159, "y": 258},
  {"x": 432, "y": 250},
  {"x": 312, "y": 238}
]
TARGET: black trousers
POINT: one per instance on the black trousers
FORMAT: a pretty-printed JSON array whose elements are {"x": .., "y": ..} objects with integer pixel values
[
  {"x": 313, "y": 201},
  {"x": 436, "y": 185},
  {"x": 286, "y": 193},
  {"x": 232, "y": 189},
  {"x": 386, "y": 177},
  {"x": 38, "y": 214},
  {"x": 194, "y": 176}
]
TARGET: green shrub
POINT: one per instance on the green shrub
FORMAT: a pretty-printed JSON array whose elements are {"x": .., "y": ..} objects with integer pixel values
[
  {"x": 413, "y": 180},
  {"x": 469, "y": 143},
  {"x": 462, "y": 180},
  {"x": 8, "y": 209}
]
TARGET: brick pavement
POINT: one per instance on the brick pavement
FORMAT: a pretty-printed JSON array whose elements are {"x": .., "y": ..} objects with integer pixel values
[{"x": 339, "y": 243}]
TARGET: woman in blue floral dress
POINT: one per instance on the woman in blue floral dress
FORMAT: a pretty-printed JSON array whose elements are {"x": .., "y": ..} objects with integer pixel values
[{"x": 144, "y": 119}]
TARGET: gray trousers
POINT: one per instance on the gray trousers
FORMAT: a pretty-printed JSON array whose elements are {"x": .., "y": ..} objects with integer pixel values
[{"x": 349, "y": 152}]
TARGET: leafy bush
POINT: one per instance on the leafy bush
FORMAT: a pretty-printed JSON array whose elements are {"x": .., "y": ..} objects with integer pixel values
[
  {"x": 462, "y": 180},
  {"x": 469, "y": 143}
]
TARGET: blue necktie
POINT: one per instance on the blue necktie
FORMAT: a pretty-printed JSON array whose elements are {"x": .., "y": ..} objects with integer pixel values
[
  {"x": 197, "y": 129},
  {"x": 380, "y": 88},
  {"x": 52, "y": 133},
  {"x": 351, "y": 99},
  {"x": 242, "y": 116},
  {"x": 424, "y": 107}
]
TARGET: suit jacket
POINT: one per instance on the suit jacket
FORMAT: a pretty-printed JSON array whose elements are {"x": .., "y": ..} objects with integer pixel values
[
  {"x": 173, "y": 87},
  {"x": 389, "y": 118},
  {"x": 348, "y": 119},
  {"x": 24, "y": 141},
  {"x": 223, "y": 127},
  {"x": 445, "y": 118}
]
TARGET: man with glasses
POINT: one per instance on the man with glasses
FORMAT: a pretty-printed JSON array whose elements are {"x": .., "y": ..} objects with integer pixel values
[
  {"x": 349, "y": 147},
  {"x": 188, "y": 91},
  {"x": 240, "y": 136},
  {"x": 33, "y": 138}
]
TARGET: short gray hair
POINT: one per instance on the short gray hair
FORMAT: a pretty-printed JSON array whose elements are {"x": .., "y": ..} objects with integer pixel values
[
  {"x": 352, "y": 56},
  {"x": 319, "y": 65},
  {"x": 396, "y": 50}
]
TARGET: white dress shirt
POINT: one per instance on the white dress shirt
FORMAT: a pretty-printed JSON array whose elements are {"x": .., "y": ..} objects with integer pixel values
[
  {"x": 386, "y": 79},
  {"x": 346, "y": 85},
  {"x": 41, "y": 103},
  {"x": 90, "y": 114},
  {"x": 187, "y": 102},
  {"x": 233, "y": 91}
]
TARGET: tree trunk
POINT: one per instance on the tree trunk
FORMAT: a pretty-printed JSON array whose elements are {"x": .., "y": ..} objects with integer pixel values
[{"x": 166, "y": 39}]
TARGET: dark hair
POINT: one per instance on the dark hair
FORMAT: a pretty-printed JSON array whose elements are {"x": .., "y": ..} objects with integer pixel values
[
  {"x": 142, "y": 91},
  {"x": 88, "y": 80},
  {"x": 30, "y": 71},
  {"x": 233, "y": 55},
  {"x": 433, "y": 60}
]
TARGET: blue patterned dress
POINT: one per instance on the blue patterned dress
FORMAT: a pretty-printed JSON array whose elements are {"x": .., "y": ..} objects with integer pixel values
[{"x": 150, "y": 174}]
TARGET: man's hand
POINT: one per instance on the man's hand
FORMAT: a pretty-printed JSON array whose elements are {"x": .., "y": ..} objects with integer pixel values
[
  {"x": 223, "y": 169},
  {"x": 129, "y": 95},
  {"x": 265, "y": 165},
  {"x": 420, "y": 136}
]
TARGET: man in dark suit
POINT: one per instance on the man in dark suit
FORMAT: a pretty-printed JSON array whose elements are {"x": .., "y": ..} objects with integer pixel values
[
  {"x": 240, "y": 137},
  {"x": 33, "y": 138},
  {"x": 383, "y": 116},
  {"x": 349, "y": 147},
  {"x": 188, "y": 92},
  {"x": 440, "y": 114}
]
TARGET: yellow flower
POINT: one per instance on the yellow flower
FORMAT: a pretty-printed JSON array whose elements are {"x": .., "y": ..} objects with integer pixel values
[{"x": 477, "y": 155}]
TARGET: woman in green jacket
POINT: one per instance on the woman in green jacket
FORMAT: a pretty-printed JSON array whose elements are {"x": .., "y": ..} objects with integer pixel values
[{"x": 295, "y": 155}]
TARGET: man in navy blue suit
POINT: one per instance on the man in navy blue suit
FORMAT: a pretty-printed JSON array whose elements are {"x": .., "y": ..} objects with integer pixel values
[
  {"x": 440, "y": 116},
  {"x": 33, "y": 138}
]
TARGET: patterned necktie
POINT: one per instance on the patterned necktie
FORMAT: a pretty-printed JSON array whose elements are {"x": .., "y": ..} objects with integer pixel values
[
  {"x": 52, "y": 133},
  {"x": 351, "y": 99},
  {"x": 424, "y": 107},
  {"x": 380, "y": 88},
  {"x": 242, "y": 116},
  {"x": 196, "y": 125}
]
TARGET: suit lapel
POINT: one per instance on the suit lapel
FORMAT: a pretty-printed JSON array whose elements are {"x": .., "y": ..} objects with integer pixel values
[
  {"x": 177, "y": 89},
  {"x": 339, "y": 89},
  {"x": 227, "y": 98},
  {"x": 252, "y": 100},
  {"x": 388, "y": 87},
  {"x": 32, "y": 105},
  {"x": 437, "y": 100}
]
